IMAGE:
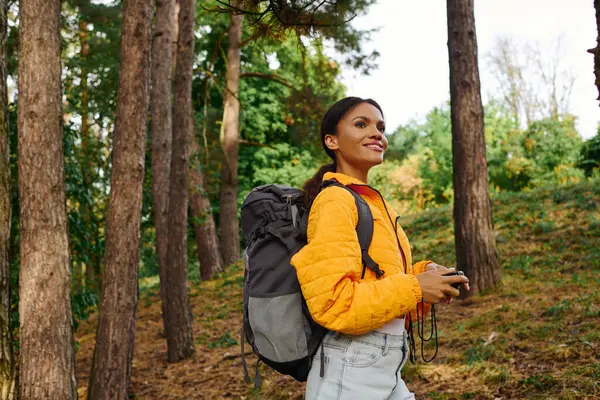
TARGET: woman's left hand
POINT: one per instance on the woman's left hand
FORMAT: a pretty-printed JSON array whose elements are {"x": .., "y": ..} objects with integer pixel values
[{"x": 444, "y": 270}]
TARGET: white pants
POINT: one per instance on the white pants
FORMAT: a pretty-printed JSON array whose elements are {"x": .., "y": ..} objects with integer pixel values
[{"x": 364, "y": 367}]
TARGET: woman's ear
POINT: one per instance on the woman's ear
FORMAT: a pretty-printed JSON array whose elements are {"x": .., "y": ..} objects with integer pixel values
[{"x": 331, "y": 142}]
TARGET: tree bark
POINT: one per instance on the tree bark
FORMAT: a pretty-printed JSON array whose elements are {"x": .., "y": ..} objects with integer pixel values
[
  {"x": 596, "y": 50},
  {"x": 207, "y": 242},
  {"x": 7, "y": 365},
  {"x": 111, "y": 365},
  {"x": 160, "y": 99},
  {"x": 47, "y": 357},
  {"x": 180, "y": 341},
  {"x": 474, "y": 235},
  {"x": 228, "y": 218}
]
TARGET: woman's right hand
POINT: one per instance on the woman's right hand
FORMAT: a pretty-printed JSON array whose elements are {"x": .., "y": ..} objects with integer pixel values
[{"x": 436, "y": 287}]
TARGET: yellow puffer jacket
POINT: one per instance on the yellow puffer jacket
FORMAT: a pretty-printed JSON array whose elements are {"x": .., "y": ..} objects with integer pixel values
[{"x": 329, "y": 267}]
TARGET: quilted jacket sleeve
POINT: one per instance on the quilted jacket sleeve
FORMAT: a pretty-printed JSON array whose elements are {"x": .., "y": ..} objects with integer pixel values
[
  {"x": 423, "y": 308},
  {"x": 329, "y": 269},
  {"x": 418, "y": 267}
]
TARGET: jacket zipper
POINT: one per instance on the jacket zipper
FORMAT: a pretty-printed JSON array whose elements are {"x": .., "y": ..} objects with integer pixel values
[{"x": 394, "y": 226}]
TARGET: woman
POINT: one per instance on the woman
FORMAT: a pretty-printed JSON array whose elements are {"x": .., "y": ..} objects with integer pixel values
[{"x": 366, "y": 345}]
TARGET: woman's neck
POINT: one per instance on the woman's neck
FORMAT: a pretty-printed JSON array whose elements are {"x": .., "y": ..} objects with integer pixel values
[{"x": 347, "y": 169}]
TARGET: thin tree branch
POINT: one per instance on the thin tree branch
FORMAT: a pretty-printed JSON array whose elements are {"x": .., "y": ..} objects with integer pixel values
[
  {"x": 227, "y": 7},
  {"x": 239, "y": 10},
  {"x": 273, "y": 77},
  {"x": 255, "y": 144},
  {"x": 245, "y": 42}
]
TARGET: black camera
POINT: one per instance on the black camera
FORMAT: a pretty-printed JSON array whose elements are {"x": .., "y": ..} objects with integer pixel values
[{"x": 456, "y": 272}]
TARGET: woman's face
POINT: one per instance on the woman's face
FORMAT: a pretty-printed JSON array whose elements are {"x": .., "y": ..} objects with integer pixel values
[{"x": 360, "y": 139}]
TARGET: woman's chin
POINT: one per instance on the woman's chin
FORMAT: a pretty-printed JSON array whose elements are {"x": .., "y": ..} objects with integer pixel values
[
  {"x": 377, "y": 161},
  {"x": 373, "y": 162},
  {"x": 368, "y": 162}
]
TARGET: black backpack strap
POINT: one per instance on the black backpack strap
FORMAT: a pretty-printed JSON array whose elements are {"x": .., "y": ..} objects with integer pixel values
[{"x": 364, "y": 228}]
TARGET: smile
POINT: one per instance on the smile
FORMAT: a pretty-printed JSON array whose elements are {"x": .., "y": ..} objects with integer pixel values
[{"x": 375, "y": 147}]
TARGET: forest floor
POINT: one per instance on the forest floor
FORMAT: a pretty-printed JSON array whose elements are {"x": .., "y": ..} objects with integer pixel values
[{"x": 535, "y": 337}]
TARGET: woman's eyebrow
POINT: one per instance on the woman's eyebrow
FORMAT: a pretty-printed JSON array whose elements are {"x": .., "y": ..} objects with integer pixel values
[{"x": 368, "y": 119}]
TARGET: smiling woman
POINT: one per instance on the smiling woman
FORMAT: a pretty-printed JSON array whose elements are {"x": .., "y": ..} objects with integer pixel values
[
  {"x": 363, "y": 127},
  {"x": 363, "y": 143},
  {"x": 364, "y": 310}
]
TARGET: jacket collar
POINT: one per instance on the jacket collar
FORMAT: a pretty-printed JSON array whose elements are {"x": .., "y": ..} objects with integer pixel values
[
  {"x": 361, "y": 188},
  {"x": 343, "y": 179}
]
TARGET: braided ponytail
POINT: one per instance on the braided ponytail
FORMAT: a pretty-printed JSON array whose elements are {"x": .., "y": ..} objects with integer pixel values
[{"x": 311, "y": 187}]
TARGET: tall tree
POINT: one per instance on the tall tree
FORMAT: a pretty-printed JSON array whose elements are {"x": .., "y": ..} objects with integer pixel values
[
  {"x": 7, "y": 365},
  {"x": 596, "y": 50},
  {"x": 474, "y": 234},
  {"x": 207, "y": 242},
  {"x": 179, "y": 314},
  {"x": 47, "y": 357},
  {"x": 160, "y": 99},
  {"x": 111, "y": 365},
  {"x": 228, "y": 219}
]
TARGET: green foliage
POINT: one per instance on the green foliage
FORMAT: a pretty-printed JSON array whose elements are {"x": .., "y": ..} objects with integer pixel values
[
  {"x": 90, "y": 56},
  {"x": 503, "y": 150},
  {"x": 271, "y": 21},
  {"x": 540, "y": 382},
  {"x": 403, "y": 142},
  {"x": 553, "y": 147},
  {"x": 550, "y": 143},
  {"x": 547, "y": 153},
  {"x": 589, "y": 161},
  {"x": 224, "y": 341},
  {"x": 82, "y": 303},
  {"x": 436, "y": 168},
  {"x": 431, "y": 142},
  {"x": 85, "y": 242},
  {"x": 544, "y": 227},
  {"x": 282, "y": 164},
  {"x": 478, "y": 353},
  {"x": 558, "y": 309}
]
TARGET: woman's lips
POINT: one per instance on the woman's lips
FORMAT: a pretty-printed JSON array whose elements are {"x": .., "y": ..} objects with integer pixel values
[{"x": 376, "y": 147}]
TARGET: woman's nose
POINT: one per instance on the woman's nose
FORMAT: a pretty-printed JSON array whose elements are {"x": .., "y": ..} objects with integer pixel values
[{"x": 376, "y": 134}]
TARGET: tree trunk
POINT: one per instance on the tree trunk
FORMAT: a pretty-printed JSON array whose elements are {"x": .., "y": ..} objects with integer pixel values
[
  {"x": 474, "y": 235},
  {"x": 160, "y": 99},
  {"x": 228, "y": 219},
  {"x": 47, "y": 357},
  {"x": 207, "y": 242},
  {"x": 180, "y": 341},
  {"x": 7, "y": 365},
  {"x": 596, "y": 51},
  {"x": 111, "y": 365}
]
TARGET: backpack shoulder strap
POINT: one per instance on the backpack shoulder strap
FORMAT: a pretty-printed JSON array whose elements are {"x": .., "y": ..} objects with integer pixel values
[{"x": 364, "y": 227}]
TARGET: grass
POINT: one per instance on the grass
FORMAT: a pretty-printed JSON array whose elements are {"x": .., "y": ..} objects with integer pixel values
[
  {"x": 545, "y": 313},
  {"x": 534, "y": 337}
]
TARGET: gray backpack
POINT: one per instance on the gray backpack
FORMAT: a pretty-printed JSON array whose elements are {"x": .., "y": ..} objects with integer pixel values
[{"x": 277, "y": 323}]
